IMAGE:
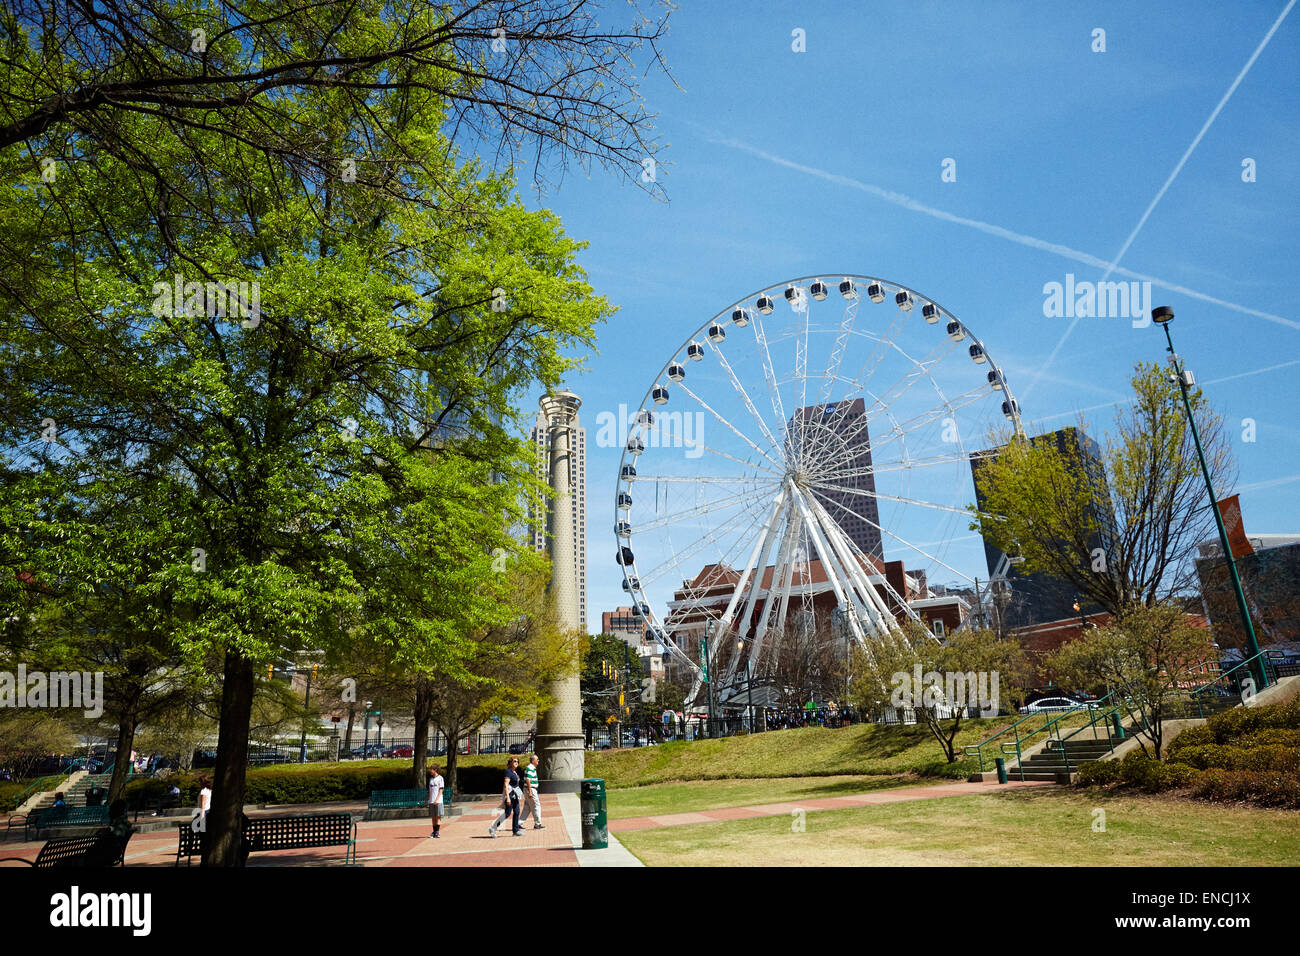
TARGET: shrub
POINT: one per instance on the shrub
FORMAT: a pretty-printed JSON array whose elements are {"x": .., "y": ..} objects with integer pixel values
[
  {"x": 1279, "y": 757},
  {"x": 1151, "y": 776},
  {"x": 1265, "y": 789},
  {"x": 1249, "y": 719},
  {"x": 1191, "y": 737},
  {"x": 1098, "y": 773},
  {"x": 282, "y": 785}
]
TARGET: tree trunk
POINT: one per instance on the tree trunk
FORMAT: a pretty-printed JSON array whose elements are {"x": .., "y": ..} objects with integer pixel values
[
  {"x": 347, "y": 738},
  {"x": 453, "y": 740},
  {"x": 423, "y": 708},
  {"x": 224, "y": 819},
  {"x": 122, "y": 766}
]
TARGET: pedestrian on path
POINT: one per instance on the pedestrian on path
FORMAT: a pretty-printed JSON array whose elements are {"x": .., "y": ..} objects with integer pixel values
[
  {"x": 534, "y": 804},
  {"x": 510, "y": 794},
  {"x": 435, "y": 799}
]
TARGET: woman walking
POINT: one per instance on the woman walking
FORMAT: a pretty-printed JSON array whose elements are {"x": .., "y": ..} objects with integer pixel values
[{"x": 510, "y": 794}]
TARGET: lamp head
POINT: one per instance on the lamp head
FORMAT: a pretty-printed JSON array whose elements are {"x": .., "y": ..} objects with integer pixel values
[{"x": 1162, "y": 315}]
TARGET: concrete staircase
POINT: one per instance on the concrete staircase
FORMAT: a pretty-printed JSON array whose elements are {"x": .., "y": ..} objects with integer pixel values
[{"x": 1059, "y": 758}]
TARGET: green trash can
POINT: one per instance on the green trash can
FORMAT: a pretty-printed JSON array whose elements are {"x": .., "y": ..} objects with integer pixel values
[{"x": 595, "y": 826}]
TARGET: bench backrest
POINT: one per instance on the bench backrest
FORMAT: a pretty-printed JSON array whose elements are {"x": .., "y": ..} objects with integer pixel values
[
  {"x": 101, "y": 849},
  {"x": 69, "y": 817},
  {"x": 398, "y": 798},
  {"x": 297, "y": 832}
]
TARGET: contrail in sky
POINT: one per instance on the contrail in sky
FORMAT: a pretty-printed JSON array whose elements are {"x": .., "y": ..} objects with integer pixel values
[{"x": 907, "y": 202}]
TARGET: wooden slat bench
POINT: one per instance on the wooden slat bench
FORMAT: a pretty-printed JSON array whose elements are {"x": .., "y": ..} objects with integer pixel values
[
  {"x": 99, "y": 850},
  {"x": 282, "y": 833}
]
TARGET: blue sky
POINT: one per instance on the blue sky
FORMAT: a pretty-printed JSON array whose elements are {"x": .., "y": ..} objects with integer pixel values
[{"x": 780, "y": 164}]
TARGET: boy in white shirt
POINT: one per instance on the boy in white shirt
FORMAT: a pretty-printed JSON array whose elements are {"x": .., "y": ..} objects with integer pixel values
[{"x": 435, "y": 799}]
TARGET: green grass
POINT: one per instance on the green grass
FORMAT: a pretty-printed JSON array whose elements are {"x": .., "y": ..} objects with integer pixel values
[
  {"x": 662, "y": 798},
  {"x": 1047, "y": 827},
  {"x": 863, "y": 749}
]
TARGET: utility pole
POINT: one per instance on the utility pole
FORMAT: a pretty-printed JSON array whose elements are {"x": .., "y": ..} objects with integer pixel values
[{"x": 1162, "y": 316}]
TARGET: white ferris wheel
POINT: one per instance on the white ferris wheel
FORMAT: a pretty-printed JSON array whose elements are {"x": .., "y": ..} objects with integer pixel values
[{"x": 801, "y": 438}]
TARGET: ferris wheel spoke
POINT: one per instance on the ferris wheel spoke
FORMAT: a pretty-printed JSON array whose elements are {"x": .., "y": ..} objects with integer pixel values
[
  {"x": 950, "y": 406},
  {"x": 906, "y": 465},
  {"x": 744, "y": 397},
  {"x": 696, "y": 479},
  {"x": 848, "y": 489},
  {"x": 903, "y": 541},
  {"x": 769, "y": 373},
  {"x": 878, "y": 613},
  {"x": 739, "y": 434},
  {"x": 921, "y": 369},
  {"x": 841, "y": 346},
  {"x": 708, "y": 507},
  {"x": 699, "y": 544}
]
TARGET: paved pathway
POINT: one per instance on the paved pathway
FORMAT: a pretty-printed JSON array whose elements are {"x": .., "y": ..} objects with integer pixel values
[
  {"x": 900, "y": 795},
  {"x": 464, "y": 842}
]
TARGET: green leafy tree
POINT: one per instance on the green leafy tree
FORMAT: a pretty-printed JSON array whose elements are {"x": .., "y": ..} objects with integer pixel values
[
  {"x": 1123, "y": 538},
  {"x": 609, "y": 672},
  {"x": 955, "y": 675},
  {"x": 1148, "y": 660},
  {"x": 505, "y": 672}
]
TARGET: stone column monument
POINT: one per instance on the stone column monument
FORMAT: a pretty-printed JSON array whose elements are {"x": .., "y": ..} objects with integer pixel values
[{"x": 559, "y": 731}]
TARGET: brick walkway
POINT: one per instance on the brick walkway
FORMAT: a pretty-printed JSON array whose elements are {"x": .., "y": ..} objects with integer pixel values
[
  {"x": 464, "y": 842},
  {"x": 821, "y": 803}
]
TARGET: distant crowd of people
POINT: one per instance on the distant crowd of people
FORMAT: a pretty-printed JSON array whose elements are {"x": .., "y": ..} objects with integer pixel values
[{"x": 782, "y": 719}]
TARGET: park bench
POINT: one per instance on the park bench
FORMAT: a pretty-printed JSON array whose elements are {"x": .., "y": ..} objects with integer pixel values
[
  {"x": 403, "y": 800},
  {"x": 53, "y": 818},
  {"x": 99, "y": 850},
  {"x": 281, "y": 833}
]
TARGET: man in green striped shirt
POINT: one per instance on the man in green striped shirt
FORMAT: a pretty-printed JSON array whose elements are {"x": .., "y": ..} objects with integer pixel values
[{"x": 535, "y": 798}]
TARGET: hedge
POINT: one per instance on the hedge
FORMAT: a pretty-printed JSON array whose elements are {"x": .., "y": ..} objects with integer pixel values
[
  {"x": 1249, "y": 754},
  {"x": 1265, "y": 789},
  {"x": 273, "y": 785},
  {"x": 1240, "y": 721},
  {"x": 1279, "y": 757}
]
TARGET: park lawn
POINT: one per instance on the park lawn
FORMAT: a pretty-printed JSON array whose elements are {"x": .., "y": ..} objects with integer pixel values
[
  {"x": 663, "y": 798},
  {"x": 1032, "y": 827},
  {"x": 869, "y": 749}
]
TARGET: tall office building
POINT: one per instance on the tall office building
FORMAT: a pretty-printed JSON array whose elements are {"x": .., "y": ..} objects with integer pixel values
[
  {"x": 1040, "y": 597},
  {"x": 839, "y": 431},
  {"x": 541, "y": 438}
]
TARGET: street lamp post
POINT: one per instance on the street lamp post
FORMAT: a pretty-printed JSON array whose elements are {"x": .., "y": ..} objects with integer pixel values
[
  {"x": 708, "y": 632},
  {"x": 1162, "y": 316}
]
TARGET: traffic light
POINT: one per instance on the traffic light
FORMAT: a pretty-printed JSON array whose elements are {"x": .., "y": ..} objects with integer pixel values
[
  {"x": 314, "y": 669},
  {"x": 270, "y": 671},
  {"x": 620, "y": 699}
]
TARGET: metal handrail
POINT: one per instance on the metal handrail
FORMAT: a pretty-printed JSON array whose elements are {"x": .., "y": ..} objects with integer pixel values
[
  {"x": 38, "y": 782},
  {"x": 976, "y": 750}
]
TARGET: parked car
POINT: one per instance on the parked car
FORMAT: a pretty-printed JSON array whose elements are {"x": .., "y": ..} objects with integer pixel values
[
  {"x": 1050, "y": 704},
  {"x": 401, "y": 750},
  {"x": 368, "y": 750},
  {"x": 603, "y": 743}
]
